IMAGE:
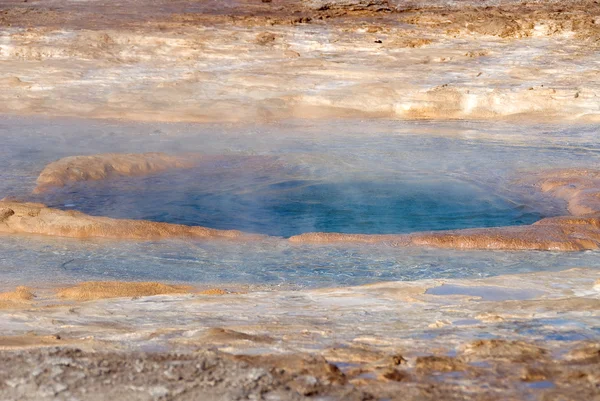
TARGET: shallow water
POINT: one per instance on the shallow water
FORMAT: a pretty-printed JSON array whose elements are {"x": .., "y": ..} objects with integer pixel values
[
  {"x": 350, "y": 176},
  {"x": 485, "y": 293},
  {"x": 42, "y": 260}
]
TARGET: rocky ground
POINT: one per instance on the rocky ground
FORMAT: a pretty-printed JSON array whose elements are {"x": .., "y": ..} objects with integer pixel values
[
  {"x": 531, "y": 336},
  {"x": 73, "y": 374},
  {"x": 241, "y": 61}
]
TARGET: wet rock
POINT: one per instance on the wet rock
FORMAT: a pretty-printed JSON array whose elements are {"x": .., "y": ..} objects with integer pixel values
[
  {"x": 5, "y": 213},
  {"x": 221, "y": 335},
  {"x": 503, "y": 27},
  {"x": 167, "y": 41},
  {"x": 29, "y": 340},
  {"x": 300, "y": 369},
  {"x": 350, "y": 5},
  {"x": 35, "y": 218},
  {"x": 534, "y": 374},
  {"x": 517, "y": 21},
  {"x": 548, "y": 234},
  {"x": 580, "y": 188},
  {"x": 21, "y": 296},
  {"x": 103, "y": 166},
  {"x": 513, "y": 351},
  {"x": 395, "y": 375},
  {"x": 587, "y": 354},
  {"x": 425, "y": 364},
  {"x": 97, "y": 167},
  {"x": 369, "y": 370},
  {"x": 356, "y": 354},
  {"x": 265, "y": 38},
  {"x": 214, "y": 291},
  {"x": 118, "y": 289},
  {"x": 410, "y": 43},
  {"x": 305, "y": 385}
]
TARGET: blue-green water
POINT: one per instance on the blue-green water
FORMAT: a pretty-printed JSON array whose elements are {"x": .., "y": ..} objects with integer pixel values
[
  {"x": 285, "y": 207},
  {"x": 353, "y": 176}
]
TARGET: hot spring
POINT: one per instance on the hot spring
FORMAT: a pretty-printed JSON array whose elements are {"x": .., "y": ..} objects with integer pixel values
[
  {"x": 267, "y": 205},
  {"x": 340, "y": 176}
]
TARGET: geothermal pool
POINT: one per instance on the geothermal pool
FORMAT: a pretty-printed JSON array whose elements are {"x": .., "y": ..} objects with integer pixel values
[
  {"x": 257, "y": 203},
  {"x": 332, "y": 176}
]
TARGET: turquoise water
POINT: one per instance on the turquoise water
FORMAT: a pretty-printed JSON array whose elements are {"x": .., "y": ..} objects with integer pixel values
[
  {"x": 285, "y": 207},
  {"x": 347, "y": 176}
]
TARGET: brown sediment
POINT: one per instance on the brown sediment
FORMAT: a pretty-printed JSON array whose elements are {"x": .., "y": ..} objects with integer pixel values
[
  {"x": 117, "y": 289},
  {"x": 518, "y": 20},
  {"x": 102, "y": 166},
  {"x": 511, "y": 19},
  {"x": 554, "y": 234},
  {"x": 35, "y": 218},
  {"x": 214, "y": 291},
  {"x": 30, "y": 340},
  {"x": 439, "y": 364},
  {"x": 303, "y": 366},
  {"x": 513, "y": 351},
  {"x": 580, "y": 188},
  {"x": 354, "y": 354},
  {"x": 221, "y": 335},
  {"x": 21, "y": 296},
  {"x": 580, "y": 231},
  {"x": 557, "y": 233},
  {"x": 587, "y": 353}
]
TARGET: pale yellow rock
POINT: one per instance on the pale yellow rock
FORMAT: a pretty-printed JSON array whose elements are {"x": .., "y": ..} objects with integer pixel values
[
  {"x": 21, "y": 296},
  {"x": 103, "y": 166},
  {"x": 117, "y": 289},
  {"x": 35, "y": 218}
]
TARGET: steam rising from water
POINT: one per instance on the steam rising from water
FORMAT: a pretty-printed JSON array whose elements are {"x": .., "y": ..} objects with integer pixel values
[
  {"x": 285, "y": 206},
  {"x": 337, "y": 163}
]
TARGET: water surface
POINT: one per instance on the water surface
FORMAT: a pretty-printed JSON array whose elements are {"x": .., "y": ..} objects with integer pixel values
[
  {"x": 349, "y": 176},
  {"x": 286, "y": 206}
]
